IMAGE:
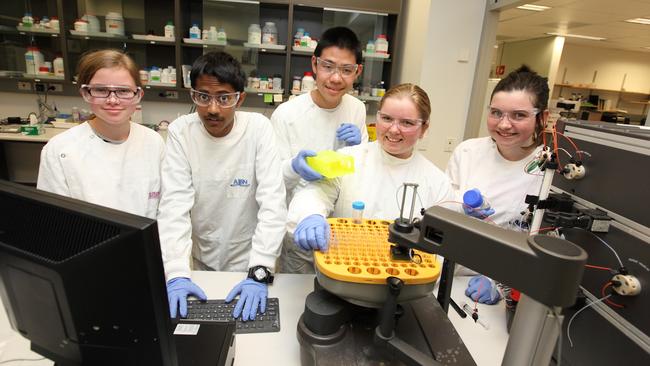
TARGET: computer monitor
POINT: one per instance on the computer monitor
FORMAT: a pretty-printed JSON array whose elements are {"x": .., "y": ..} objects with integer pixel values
[{"x": 83, "y": 283}]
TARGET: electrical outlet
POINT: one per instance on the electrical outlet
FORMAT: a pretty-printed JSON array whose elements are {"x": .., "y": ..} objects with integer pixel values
[
  {"x": 55, "y": 87},
  {"x": 169, "y": 94},
  {"x": 39, "y": 87},
  {"x": 24, "y": 85},
  {"x": 450, "y": 144}
]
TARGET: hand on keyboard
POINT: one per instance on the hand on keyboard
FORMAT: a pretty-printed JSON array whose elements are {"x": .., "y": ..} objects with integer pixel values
[
  {"x": 252, "y": 295},
  {"x": 178, "y": 289},
  {"x": 217, "y": 310}
]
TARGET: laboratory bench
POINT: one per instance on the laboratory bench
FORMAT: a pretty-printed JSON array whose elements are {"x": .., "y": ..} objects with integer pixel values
[
  {"x": 20, "y": 154},
  {"x": 486, "y": 346}
]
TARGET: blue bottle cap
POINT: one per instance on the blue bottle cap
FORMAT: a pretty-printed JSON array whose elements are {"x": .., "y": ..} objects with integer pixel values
[
  {"x": 473, "y": 198},
  {"x": 358, "y": 205}
]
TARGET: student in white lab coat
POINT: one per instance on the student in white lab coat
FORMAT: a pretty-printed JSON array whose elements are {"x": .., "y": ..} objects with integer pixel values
[
  {"x": 326, "y": 118},
  {"x": 495, "y": 165},
  {"x": 108, "y": 160},
  {"x": 223, "y": 197},
  {"x": 381, "y": 167}
]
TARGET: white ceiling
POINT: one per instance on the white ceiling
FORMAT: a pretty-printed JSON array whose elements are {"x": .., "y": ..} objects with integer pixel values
[{"x": 599, "y": 18}]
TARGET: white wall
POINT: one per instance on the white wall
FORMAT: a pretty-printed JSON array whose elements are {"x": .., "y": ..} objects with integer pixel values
[
  {"x": 411, "y": 51},
  {"x": 611, "y": 66},
  {"x": 445, "y": 60},
  {"x": 536, "y": 53}
]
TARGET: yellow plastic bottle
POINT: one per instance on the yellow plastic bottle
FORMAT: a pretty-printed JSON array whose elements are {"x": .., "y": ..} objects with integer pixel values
[{"x": 331, "y": 164}]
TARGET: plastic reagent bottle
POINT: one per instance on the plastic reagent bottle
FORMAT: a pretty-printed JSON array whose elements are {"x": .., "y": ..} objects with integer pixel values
[
  {"x": 254, "y": 34},
  {"x": 357, "y": 212},
  {"x": 370, "y": 47},
  {"x": 169, "y": 30},
  {"x": 195, "y": 32},
  {"x": 58, "y": 66},
  {"x": 381, "y": 44},
  {"x": 269, "y": 33},
  {"x": 474, "y": 199},
  {"x": 221, "y": 35},
  {"x": 308, "y": 82}
]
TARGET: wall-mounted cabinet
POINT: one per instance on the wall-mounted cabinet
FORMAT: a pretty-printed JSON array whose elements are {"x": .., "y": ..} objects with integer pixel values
[{"x": 226, "y": 23}]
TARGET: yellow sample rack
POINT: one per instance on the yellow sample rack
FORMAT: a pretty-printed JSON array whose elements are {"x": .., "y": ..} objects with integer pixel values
[{"x": 360, "y": 253}]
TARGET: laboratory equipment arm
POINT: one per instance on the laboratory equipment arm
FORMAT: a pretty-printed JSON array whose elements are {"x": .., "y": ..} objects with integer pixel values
[{"x": 516, "y": 259}]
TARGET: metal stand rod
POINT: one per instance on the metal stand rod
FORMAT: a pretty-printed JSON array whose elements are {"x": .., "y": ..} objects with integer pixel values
[
  {"x": 445, "y": 284},
  {"x": 415, "y": 193},
  {"x": 535, "y": 329},
  {"x": 387, "y": 322},
  {"x": 543, "y": 194},
  {"x": 533, "y": 335}
]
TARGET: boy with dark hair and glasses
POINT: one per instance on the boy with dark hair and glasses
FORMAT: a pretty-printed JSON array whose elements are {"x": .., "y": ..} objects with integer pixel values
[
  {"x": 223, "y": 199},
  {"x": 326, "y": 118},
  {"x": 107, "y": 160}
]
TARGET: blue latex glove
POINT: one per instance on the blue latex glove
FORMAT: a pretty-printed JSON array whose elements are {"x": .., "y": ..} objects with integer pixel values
[
  {"x": 477, "y": 212},
  {"x": 300, "y": 166},
  {"x": 483, "y": 289},
  {"x": 312, "y": 233},
  {"x": 177, "y": 291},
  {"x": 349, "y": 133},
  {"x": 252, "y": 295}
]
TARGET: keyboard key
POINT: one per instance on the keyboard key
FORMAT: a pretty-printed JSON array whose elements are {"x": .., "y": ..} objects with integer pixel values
[{"x": 219, "y": 311}]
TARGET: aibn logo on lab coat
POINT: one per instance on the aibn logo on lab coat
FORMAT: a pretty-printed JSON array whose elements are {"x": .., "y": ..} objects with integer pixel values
[{"x": 240, "y": 182}]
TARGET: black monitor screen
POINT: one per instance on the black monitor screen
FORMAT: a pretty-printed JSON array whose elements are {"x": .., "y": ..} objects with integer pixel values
[{"x": 83, "y": 283}]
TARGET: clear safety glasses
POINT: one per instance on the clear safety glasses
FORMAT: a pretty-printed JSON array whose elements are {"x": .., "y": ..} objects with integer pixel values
[
  {"x": 513, "y": 116},
  {"x": 328, "y": 68},
  {"x": 100, "y": 93},
  {"x": 226, "y": 100},
  {"x": 404, "y": 125}
]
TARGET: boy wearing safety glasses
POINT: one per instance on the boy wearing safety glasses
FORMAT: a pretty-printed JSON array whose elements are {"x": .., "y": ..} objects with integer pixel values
[
  {"x": 326, "y": 118},
  {"x": 223, "y": 199},
  {"x": 108, "y": 160}
]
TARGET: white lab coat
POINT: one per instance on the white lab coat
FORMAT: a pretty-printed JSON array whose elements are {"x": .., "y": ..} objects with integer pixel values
[
  {"x": 126, "y": 176},
  {"x": 300, "y": 124},
  {"x": 223, "y": 199},
  {"x": 477, "y": 163},
  {"x": 376, "y": 181}
]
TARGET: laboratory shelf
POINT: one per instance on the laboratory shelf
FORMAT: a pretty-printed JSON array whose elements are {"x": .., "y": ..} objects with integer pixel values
[{"x": 263, "y": 91}]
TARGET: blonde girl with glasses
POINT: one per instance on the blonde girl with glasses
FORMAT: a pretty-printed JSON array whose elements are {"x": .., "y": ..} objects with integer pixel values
[
  {"x": 495, "y": 165},
  {"x": 108, "y": 160},
  {"x": 381, "y": 167}
]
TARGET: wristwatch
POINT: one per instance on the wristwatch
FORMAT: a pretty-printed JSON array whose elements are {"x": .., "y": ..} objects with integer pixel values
[{"x": 260, "y": 274}]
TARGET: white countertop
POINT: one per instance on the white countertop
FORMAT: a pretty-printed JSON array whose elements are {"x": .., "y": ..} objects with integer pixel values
[
  {"x": 282, "y": 348},
  {"x": 49, "y": 133}
]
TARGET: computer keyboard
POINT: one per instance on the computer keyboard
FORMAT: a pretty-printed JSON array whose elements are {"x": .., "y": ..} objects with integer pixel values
[{"x": 220, "y": 311}]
